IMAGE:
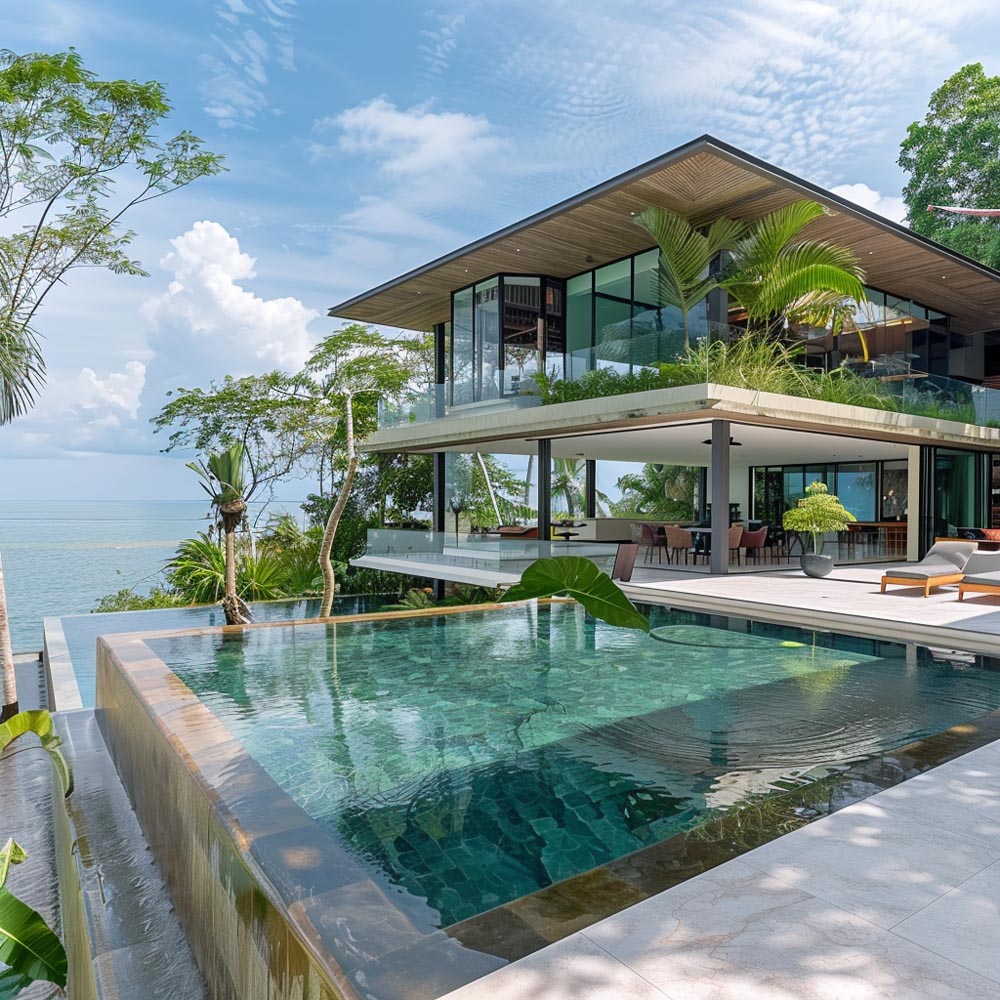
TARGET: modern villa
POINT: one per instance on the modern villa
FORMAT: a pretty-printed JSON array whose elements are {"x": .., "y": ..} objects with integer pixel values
[{"x": 574, "y": 288}]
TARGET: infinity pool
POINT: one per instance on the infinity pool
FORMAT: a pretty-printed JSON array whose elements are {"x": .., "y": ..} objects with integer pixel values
[
  {"x": 80, "y": 632},
  {"x": 467, "y": 760}
]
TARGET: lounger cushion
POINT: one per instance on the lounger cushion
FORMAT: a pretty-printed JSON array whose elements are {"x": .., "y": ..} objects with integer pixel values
[
  {"x": 924, "y": 570},
  {"x": 957, "y": 553},
  {"x": 987, "y": 579},
  {"x": 981, "y": 563}
]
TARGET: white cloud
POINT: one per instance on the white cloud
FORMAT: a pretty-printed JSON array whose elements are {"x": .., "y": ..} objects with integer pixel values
[
  {"x": 208, "y": 324},
  {"x": 417, "y": 141},
  {"x": 889, "y": 206}
]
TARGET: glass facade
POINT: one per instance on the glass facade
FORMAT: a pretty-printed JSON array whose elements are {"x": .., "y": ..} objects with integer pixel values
[
  {"x": 885, "y": 336},
  {"x": 778, "y": 488},
  {"x": 502, "y": 331}
]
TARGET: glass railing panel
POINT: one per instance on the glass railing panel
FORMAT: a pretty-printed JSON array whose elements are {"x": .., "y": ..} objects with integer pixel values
[
  {"x": 478, "y": 551},
  {"x": 415, "y": 407}
]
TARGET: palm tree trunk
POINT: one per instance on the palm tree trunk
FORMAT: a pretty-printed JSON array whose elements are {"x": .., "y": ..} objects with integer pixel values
[
  {"x": 9, "y": 705},
  {"x": 333, "y": 521},
  {"x": 230, "y": 561}
]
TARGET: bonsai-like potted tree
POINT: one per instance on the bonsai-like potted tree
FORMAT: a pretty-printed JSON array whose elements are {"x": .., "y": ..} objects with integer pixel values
[{"x": 816, "y": 514}]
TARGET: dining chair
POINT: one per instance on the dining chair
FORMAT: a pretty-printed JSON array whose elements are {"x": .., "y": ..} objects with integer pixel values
[
  {"x": 754, "y": 542},
  {"x": 678, "y": 541},
  {"x": 735, "y": 541},
  {"x": 652, "y": 539}
]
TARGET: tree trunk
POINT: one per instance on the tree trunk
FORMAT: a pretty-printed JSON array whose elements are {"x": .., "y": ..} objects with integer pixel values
[
  {"x": 9, "y": 706},
  {"x": 333, "y": 521},
  {"x": 235, "y": 608}
]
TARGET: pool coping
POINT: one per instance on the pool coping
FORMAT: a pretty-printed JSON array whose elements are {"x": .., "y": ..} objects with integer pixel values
[
  {"x": 64, "y": 690},
  {"x": 465, "y": 951}
]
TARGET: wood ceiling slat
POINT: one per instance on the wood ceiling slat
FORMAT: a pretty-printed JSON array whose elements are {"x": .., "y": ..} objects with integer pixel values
[{"x": 702, "y": 186}]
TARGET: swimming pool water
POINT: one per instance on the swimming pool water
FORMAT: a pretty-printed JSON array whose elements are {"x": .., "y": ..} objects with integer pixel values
[
  {"x": 471, "y": 759},
  {"x": 81, "y": 631}
]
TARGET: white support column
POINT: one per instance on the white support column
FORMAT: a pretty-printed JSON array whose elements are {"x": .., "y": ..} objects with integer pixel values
[{"x": 718, "y": 476}]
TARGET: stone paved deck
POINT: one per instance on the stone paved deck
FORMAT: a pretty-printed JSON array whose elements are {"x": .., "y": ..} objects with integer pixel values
[
  {"x": 895, "y": 898},
  {"x": 848, "y": 599}
]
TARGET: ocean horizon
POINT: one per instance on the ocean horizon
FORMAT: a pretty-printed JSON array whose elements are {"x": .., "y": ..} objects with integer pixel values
[{"x": 60, "y": 557}]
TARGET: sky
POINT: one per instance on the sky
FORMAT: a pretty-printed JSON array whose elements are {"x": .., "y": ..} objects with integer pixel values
[{"x": 364, "y": 139}]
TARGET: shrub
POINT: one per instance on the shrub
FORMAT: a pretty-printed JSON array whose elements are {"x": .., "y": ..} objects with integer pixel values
[{"x": 130, "y": 600}]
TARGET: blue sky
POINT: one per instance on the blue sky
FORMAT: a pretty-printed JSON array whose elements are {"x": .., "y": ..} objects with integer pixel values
[{"x": 364, "y": 139}]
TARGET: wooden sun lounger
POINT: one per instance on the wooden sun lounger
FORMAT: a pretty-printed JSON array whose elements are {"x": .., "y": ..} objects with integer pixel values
[
  {"x": 927, "y": 583},
  {"x": 981, "y": 587}
]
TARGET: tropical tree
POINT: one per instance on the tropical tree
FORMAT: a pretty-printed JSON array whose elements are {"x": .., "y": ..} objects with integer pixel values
[
  {"x": 659, "y": 491},
  {"x": 569, "y": 478},
  {"x": 686, "y": 256},
  {"x": 65, "y": 136},
  {"x": 344, "y": 378},
  {"x": 777, "y": 274},
  {"x": 263, "y": 413},
  {"x": 223, "y": 480},
  {"x": 951, "y": 159},
  {"x": 818, "y": 513}
]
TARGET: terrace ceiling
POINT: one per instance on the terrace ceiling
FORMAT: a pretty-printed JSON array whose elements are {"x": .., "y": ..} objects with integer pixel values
[{"x": 702, "y": 180}]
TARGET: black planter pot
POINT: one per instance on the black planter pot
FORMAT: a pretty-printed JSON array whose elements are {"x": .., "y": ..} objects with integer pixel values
[{"x": 816, "y": 565}]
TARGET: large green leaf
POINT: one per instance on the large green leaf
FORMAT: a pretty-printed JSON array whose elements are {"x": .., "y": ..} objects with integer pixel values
[
  {"x": 28, "y": 946},
  {"x": 582, "y": 580},
  {"x": 40, "y": 723}
]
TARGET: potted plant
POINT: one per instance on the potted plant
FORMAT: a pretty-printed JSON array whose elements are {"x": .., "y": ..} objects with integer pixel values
[{"x": 818, "y": 513}]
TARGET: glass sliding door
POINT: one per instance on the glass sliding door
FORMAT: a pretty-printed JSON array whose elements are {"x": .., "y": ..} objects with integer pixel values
[
  {"x": 959, "y": 493},
  {"x": 579, "y": 325}
]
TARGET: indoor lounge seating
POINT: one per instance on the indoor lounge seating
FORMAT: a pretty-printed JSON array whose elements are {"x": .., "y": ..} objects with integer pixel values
[{"x": 944, "y": 563}]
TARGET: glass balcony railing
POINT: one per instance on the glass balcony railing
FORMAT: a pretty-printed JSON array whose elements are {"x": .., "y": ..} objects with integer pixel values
[
  {"x": 475, "y": 551},
  {"x": 622, "y": 364}
]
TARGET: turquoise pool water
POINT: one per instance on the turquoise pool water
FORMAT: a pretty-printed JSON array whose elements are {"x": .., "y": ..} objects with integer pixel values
[
  {"x": 81, "y": 631},
  {"x": 470, "y": 759}
]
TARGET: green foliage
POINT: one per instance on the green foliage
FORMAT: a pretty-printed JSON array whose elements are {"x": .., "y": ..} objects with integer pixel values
[
  {"x": 222, "y": 475},
  {"x": 66, "y": 135},
  {"x": 29, "y": 949},
  {"x": 261, "y": 412},
  {"x": 951, "y": 159},
  {"x": 775, "y": 273},
  {"x": 417, "y": 599},
  {"x": 660, "y": 491},
  {"x": 686, "y": 253},
  {"x": 413, "y": 600},
  {"x": 816, "y": 514},
  {"x": 197, "y": 572},
  {"x": 130, "y": 600},
  {"x": 39, "y": 723},
  {"x": 607, "y": 382},
  {"x": 582, "y": 580}
]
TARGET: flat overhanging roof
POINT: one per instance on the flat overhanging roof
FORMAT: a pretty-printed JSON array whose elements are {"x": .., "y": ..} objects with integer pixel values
[{"x": 701, "y": 180}]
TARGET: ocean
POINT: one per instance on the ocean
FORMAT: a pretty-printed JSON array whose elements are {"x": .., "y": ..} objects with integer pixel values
[{"x": 62, "y": 557}]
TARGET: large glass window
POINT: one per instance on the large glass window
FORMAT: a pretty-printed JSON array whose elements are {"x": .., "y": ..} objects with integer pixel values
[
  {"x": 487, "y": 339},
  {"x": 462, "y": 347},
  {"x": 856, "y": 487},
  {"x": 613, "y": 315},
  {"x": 579, "y": 324}
]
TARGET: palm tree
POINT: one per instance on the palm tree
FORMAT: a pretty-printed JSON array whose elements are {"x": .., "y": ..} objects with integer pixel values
[
  {"x": 223, "y": 480},
  {"x": 776, "y": 274},
  {"x": 663, "y": 491},
  {"x": 22, "y": 370},
  {"x": 8, "y": 706},
  {"x": 569, "y": 477},
  {"x": 686, "y": 255}
]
